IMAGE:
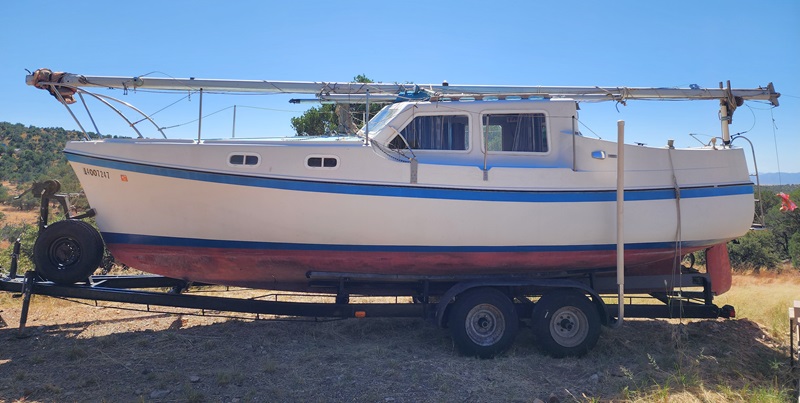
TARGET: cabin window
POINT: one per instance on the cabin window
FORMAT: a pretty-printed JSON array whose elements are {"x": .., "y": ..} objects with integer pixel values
[
  {"x": 240, "y": 159},
  {"x": 380, "y": 120},
  {"x": 442, "y": 132},
  {"x": 319, "y": 161},
  {"x": 519, "y": 132}
]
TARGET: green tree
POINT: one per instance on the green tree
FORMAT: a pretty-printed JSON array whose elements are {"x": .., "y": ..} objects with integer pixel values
[
  {"x": 28, "y": 152},
  {"x": 325, "y": 119},
  {"x": 27, "y": 235},
  {"x": 317, "y": 121},
  {"x": 783, "y": 225},
  {"x": 794, "y": 249},
  {"x": 754, "y": 251}
]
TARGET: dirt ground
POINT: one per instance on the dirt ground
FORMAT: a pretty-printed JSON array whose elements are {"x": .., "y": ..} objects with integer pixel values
[
  {"x": 15, "y": 216},
  {"x": 81, "y": 352}
]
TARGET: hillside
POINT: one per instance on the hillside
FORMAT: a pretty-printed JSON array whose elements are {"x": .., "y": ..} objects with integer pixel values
[
  {"x": 776, "y": 178},
  {"x": 27, "y": 153}
]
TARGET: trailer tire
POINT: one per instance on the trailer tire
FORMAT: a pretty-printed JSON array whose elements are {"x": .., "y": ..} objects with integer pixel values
[
  {"x": 483, "y": 322},
  {"x": 68, "y": 251},
  {"x": 565, "y": 323}
]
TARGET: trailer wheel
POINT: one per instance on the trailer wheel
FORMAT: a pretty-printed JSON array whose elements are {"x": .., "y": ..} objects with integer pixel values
[
  {"x": 68, "y": 251},
  {"x": 565, "y": 323},
  {"x": 483, "y": 322}
]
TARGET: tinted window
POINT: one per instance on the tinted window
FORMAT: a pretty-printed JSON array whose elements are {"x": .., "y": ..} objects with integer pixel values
[
  {"x": 322, "y": 162},
  {"x": 315, "y": 162},
  {"x": 525, "y": 132},
  {"x": 243, "y": 159},
  {"x": 435, "y": 133}
]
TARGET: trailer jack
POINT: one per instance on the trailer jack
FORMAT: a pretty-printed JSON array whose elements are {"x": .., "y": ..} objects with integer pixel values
[{"x": 47, "y": 191}]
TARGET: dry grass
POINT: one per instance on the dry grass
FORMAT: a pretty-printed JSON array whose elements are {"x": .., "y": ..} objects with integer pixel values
[
  {"x": 78, "y": 352},
  {"x": 764, "y": 298},
  {"x": 14, "y": 216}
]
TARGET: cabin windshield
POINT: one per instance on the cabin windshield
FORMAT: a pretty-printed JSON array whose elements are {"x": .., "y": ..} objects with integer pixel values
[{"x": 382, "y": 118}]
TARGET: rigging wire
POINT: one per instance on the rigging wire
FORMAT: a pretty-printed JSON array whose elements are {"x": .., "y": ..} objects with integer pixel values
[
  {"x": 680, "y": 332},
  {"x": 265, "y": 109},
  {"x": 216, "y": 112},
  {"x": 195, "y": 120},
  {"x": 775, "y": 140},
  {"x": 588, "y": 128},
  {"x": 753, "y": 112},
  {"x": 154, "y": 113}
]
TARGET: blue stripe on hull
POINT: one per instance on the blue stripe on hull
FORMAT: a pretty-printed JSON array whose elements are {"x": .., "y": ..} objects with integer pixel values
[
  {"x": 408, "y": 191},
  {"x": 130, "y": 239}
]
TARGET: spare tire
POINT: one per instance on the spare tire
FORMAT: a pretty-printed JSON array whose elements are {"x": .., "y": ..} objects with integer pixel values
[{"x": 68, "y": 251}]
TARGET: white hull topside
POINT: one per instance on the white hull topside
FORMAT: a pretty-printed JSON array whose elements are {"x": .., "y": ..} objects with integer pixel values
[
  {"x": 568, "y": 207},
  {"x": 159, "y": 196}
]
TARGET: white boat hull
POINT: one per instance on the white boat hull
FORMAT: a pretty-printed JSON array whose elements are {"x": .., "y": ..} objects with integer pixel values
[{"x": 269, "y": 231}]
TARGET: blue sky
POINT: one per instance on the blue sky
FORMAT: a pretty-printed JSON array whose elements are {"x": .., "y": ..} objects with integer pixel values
[{"x": 569, "y": 43}]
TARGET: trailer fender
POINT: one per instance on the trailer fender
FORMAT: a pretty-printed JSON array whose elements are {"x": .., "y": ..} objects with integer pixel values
[{"x": 449, "y": 297}]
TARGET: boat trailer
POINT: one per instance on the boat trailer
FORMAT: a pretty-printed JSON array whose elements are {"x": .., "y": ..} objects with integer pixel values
[{"x": 152, "y": 290}]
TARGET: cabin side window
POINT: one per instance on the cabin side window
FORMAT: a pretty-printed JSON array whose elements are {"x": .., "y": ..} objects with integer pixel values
[
  {"x": 441, "y": 132},
  {"x": 242, "y": 159},
  {"x": 518, "y": 132},
  {"x": 322, "y": 161}
]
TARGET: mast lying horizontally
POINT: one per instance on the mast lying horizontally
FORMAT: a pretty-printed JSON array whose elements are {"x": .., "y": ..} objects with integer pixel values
[{"x": 322, "y": 89}]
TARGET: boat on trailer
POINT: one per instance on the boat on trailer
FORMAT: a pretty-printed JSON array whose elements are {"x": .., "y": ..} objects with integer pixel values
[
  {"x": 483, "y": 203},
  {"x": 445, "y": 180}
]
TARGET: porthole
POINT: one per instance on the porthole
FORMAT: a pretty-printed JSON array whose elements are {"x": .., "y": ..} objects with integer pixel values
[
  {"x": 322, "y": 162},
  {"x": 243, "y": 159}
]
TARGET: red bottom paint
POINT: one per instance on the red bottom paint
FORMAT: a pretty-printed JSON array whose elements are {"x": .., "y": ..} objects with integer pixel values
[
  {"x": 718, "y": 265},
  {"x": 286, "y": 269}
]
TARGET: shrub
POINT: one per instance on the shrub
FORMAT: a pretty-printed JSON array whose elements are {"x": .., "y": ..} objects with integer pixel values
[
  {"x": 27, "y": 235},
  {"x": 794, "y": 249},
  {"x": 754, "y": 251}
]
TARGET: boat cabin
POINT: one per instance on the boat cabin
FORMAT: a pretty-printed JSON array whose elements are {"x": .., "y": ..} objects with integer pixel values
[{"x": 486, "y": 133}]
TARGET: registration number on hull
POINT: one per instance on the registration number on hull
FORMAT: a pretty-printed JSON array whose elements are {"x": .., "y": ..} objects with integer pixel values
[{"x": 96, "y": 172}]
